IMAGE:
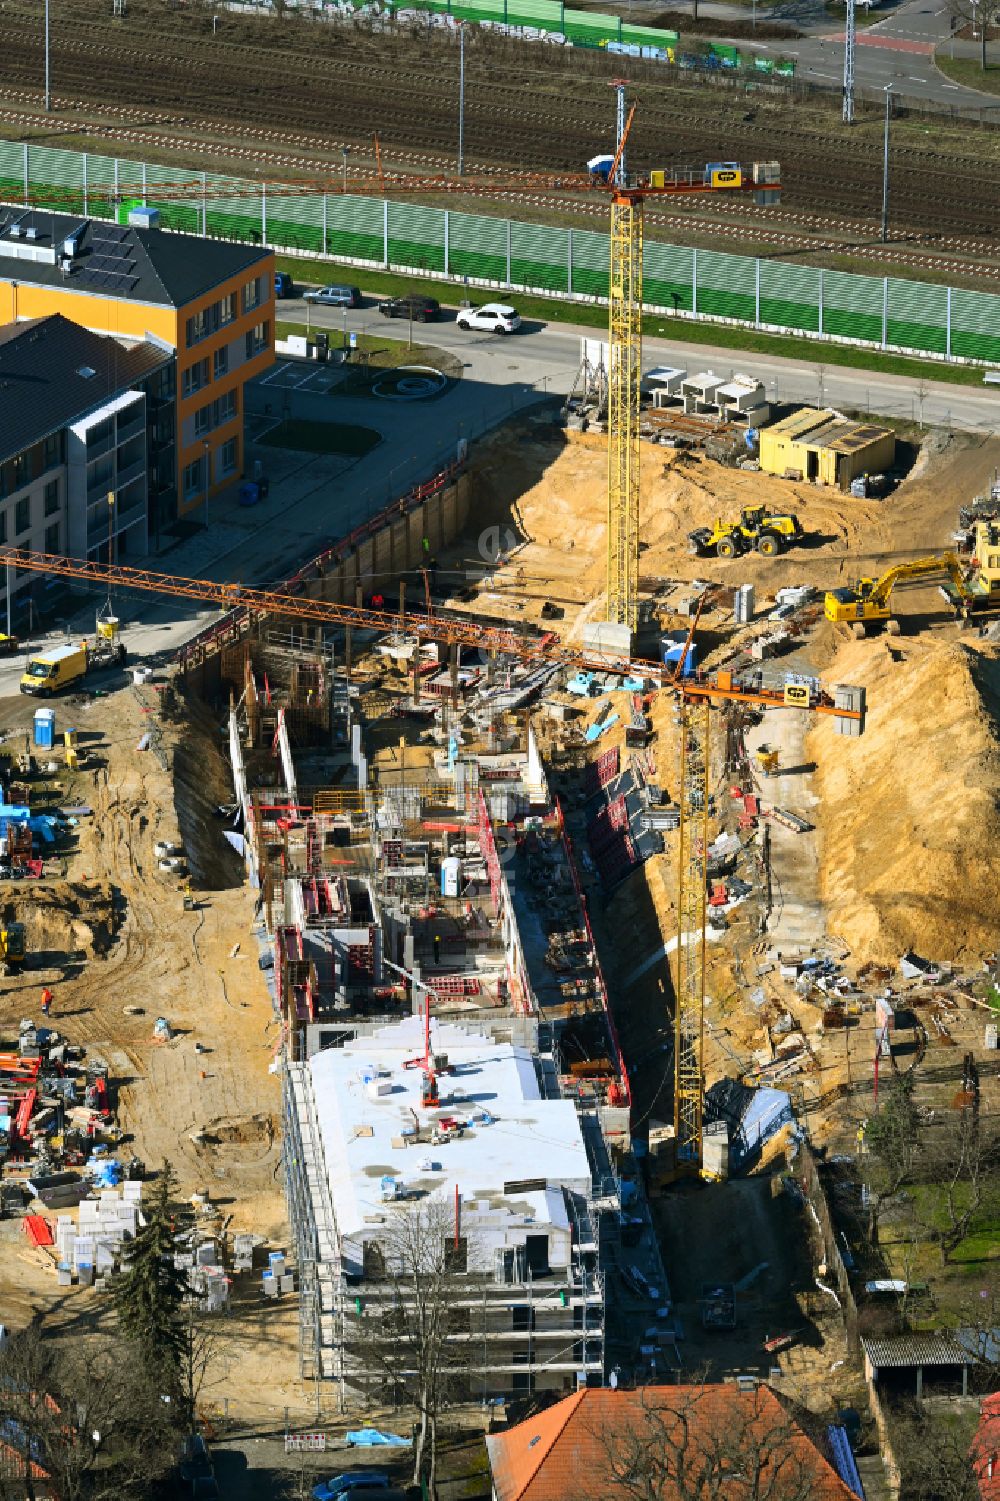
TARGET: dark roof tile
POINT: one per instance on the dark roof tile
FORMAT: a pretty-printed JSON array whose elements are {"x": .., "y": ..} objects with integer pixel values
[
  {"x": 42, "y": 387},
  {"x": 139, "y": 265}
]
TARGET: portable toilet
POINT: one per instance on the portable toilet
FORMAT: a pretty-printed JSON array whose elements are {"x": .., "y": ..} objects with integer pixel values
[
  {"x": 672, "y": 648},
  {"x": 450, "y": 868},
  {"x": 45, "y": 728}
]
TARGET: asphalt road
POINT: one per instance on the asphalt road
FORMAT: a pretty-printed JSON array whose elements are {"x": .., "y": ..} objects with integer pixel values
[
  {"x": 545, "y": 358},
  {"x": 897, "y": 50},
  {"x": 315, "y": 499}
]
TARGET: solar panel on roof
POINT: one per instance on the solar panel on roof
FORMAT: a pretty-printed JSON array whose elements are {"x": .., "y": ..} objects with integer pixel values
[{"x": 111, "y": 232}]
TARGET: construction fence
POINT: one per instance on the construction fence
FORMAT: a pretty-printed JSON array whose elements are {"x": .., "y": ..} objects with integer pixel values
[
  {"x": 889, "y": 313},
  {"x": 583, "y": 28}
]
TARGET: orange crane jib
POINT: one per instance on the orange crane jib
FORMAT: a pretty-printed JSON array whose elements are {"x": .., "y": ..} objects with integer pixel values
[
  {"x": 474, "y": 633},
  {"x": 674, "y": 181}
]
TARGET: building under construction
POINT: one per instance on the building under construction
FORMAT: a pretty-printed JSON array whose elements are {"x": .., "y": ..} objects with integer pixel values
[{"x": 441, "y": 1002}]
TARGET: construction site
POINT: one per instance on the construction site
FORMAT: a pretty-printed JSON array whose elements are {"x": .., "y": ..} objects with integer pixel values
[{"x": 569, "y": 852}]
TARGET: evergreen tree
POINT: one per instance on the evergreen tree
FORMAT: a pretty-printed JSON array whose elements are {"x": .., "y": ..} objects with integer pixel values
[{"x": 150, "y": 1291}]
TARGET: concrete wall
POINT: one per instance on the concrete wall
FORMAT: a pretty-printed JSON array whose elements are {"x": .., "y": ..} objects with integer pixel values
[{"x": 396, "y": 547}]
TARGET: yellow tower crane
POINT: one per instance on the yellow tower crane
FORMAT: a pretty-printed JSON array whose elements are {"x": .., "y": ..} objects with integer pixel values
[
  {"x": 625, "y": 336},
  {"x": 848, "y": 707}
]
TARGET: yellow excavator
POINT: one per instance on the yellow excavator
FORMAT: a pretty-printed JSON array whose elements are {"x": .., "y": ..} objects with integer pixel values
[
  {"x": 12, "y": 947},
  {"x": 867, "y": 601}
]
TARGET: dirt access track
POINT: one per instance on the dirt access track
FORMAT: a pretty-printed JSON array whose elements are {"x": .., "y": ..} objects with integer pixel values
[{"x": 115, "y": 946}]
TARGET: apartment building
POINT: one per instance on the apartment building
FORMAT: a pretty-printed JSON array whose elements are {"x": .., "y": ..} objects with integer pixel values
[
  {"x": 78, "y": 440},
  {"x": 210, "y": 301},
  {"x": 366, "y": 1147}
]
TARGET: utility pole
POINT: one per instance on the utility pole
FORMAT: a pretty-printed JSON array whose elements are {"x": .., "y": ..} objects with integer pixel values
[
  {"x": 345, "y": 152},
  {"x": 885, "y": 166},
  {"x": 48, "y": 90},
  {"x": 849, "y": 65},
  {"x": 461, "y": 99}
]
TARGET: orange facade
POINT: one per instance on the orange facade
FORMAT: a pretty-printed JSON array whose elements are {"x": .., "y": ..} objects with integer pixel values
[{"x": 212, "y": 368}]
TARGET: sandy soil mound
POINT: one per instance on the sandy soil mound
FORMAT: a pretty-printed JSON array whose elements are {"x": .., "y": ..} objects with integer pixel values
[
  {"x": 553, "y": 487},
  {"x": 910, "y": 854},
  {"x": 74, "y": 917}
]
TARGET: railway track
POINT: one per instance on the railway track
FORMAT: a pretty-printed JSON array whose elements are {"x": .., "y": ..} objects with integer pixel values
[
  {"x": 259, "y": 117},
  {"x": 760, "y": 234},
  {"x": 502, "y": 110}
]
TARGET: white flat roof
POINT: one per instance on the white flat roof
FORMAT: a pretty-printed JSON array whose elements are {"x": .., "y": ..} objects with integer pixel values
[{"x": 528, "y": 1138}]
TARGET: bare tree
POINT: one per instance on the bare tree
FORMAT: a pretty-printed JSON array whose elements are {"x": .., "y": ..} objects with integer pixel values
[
  {"x": 408, "y": 1332},
  {"x": 935, "y": 1459},
  {"x": 962, "y": 1155},
  {"x": 85, "y": 1416},
  {"x": 706, "y": 1443},
  {"x": 202, "y": 1362},
  {"x": 977, "y": 14},
  {"x": 891, "y": 1146}
]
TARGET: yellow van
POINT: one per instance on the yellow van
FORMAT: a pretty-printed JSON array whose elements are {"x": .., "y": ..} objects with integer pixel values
[{"x": 54, "y": 670}]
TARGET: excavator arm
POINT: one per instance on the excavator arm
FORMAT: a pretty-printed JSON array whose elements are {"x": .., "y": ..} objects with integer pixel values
[{"x": 946, "y": 562}]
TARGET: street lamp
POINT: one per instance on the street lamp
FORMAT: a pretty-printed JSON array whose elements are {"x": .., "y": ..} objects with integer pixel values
[
  {"x": 885, "y": 166},
  {"x": 48, "y": 91},
  {"x": 345, "y": 152}
]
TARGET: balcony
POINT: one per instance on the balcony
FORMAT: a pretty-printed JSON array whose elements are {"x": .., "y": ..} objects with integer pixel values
[
  {"x": 131, "y": 473},
  {"x": 130, "y": 425}
]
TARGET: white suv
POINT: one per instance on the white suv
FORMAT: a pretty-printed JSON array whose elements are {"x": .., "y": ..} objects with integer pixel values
[{"x": 491, "y": 318}]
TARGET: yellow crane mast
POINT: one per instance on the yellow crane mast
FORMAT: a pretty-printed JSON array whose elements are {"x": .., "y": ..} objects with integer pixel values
[
  {"x": 625, "y": 337},
  {"x": 624, "y": 376},
  {"x": 848, "y": 707},
  {"x": 692, "y": 888}
]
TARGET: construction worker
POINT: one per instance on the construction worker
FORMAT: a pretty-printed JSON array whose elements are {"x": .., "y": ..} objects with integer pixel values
[{"x": 46, "y": 1002}]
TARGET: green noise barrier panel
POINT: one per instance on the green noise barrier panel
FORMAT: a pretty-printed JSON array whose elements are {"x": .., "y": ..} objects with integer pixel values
[{"x": 511, "y": 254}]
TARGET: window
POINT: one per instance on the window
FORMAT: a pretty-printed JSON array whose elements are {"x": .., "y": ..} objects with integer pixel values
[
  {"x": 220, "y": 362},
  {"x": 197, "y": 328},
  {"x": 53, "y": 450},
  {"x": 22, "y": 516},
  {"x": 51, "y": 497},
  {"x": 194, "y": 377},
  {"x": 3, "y": 527},
  {"x": 522, "y": 1318},
  {"x": 52, "y": 538},
  {"x": 227, "y": 309},
  {"x": 203, "y": 419},
  {"x": 227, "y": 459},
  {"x": 193, "y": 478},
  {"x": 258, "y": 339},
  {"x": 20, "y": 470},
  {"x": 456, "y": 1257},
  {"x": 252, "y": 294},
  {"x": 372, "y": 1259},
  {"x": 225, "y": 408},
  {"x": 537, "y": 1252}
]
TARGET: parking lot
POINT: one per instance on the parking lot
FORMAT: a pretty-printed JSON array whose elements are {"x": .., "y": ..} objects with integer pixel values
[{"x": 297, "y": 375}]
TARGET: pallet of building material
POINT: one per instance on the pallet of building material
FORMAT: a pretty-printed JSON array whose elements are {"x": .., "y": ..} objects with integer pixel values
[{"x": 790, "y": 821}]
